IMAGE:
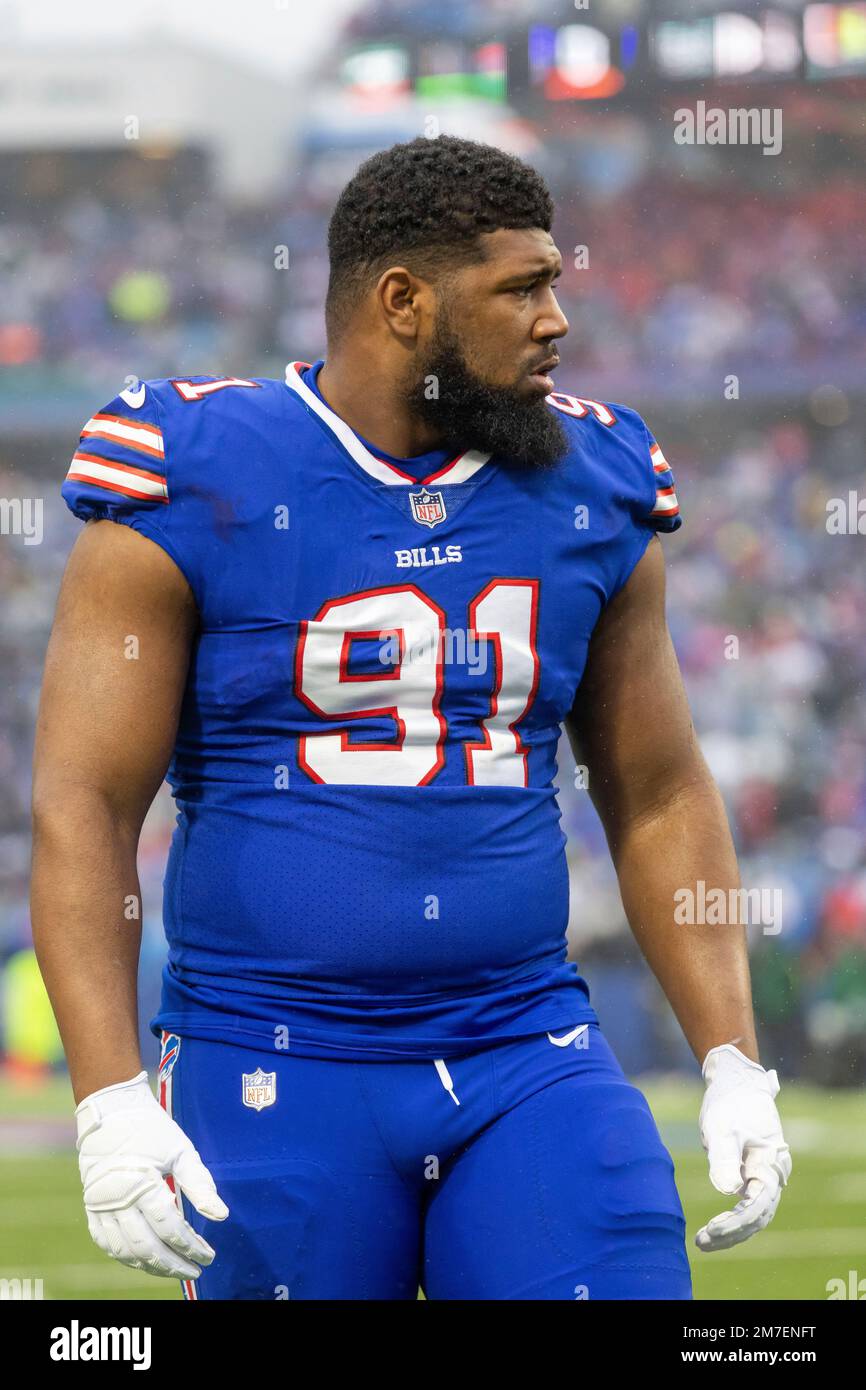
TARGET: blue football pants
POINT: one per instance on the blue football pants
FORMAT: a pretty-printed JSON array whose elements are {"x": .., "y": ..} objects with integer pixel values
[{"x": 527, "y": 1170}]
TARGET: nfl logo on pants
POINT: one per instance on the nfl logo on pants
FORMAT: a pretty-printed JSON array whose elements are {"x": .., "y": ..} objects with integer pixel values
[{"x": 259, "y": 1088}]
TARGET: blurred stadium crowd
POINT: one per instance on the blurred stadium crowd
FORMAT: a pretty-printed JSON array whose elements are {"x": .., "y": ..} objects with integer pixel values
[
  {"x": 127, "y": 281},
  {"x": 150, "y": 271}
]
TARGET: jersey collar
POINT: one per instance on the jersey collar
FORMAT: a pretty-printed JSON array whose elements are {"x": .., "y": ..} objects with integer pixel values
[{"x": 459, "y": 470}]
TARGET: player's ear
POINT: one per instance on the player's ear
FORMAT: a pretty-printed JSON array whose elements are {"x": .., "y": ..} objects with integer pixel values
[{"x": 401, "y": 296}]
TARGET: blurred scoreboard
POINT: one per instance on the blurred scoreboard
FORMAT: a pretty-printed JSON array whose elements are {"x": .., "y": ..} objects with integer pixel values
[
  {"x": 439, "y": 68},
  {"x": 824, "y": 41},
  {"x": 596, "y": 58}
]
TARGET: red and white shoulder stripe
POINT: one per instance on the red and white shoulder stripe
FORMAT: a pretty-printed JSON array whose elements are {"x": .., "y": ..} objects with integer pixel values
[
  {"x": 666, "y": 503},
  {"x": 100, "y": 462},
  {"x": 132, "y": 434}
]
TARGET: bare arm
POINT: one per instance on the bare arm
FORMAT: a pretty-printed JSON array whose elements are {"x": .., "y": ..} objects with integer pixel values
[
  {"x": 661, "y": 810},
  {"x": 105, "y": 732}
]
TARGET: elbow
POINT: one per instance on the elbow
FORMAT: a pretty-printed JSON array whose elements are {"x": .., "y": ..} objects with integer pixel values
[
  {"x": 63, "y": 810},
  {"x": 670, "y": 804}
]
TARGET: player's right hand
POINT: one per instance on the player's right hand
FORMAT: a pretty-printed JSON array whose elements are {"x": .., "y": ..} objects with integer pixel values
[{"x": 127, "y": 1147}]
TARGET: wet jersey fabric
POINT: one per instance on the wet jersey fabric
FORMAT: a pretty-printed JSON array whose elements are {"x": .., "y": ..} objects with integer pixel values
[
  {"x": 530, "y": 1169},
  {"x": 368, "y": 859}
]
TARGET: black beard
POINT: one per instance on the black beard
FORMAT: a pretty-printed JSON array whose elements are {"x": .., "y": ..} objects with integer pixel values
[{"x": 468, "y": 413}]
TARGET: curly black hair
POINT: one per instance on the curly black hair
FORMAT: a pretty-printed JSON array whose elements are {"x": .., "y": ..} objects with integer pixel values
[{"x": 425, "y": 203}]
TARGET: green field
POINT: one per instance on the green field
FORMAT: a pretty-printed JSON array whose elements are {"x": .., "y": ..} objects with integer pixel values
[{"x": 819, "y": 1232}]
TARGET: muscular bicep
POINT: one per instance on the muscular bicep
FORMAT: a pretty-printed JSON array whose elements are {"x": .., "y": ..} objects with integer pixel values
[
  {"x": 630, "y": 724},
  {"x": 115, "y": 672}
]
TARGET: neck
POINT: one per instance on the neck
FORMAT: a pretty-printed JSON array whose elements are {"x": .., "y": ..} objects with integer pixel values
[{"x": 372, "y": 405}]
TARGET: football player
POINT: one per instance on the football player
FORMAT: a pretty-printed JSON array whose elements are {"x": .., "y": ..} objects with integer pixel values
[{"x": 347, "y": 614}]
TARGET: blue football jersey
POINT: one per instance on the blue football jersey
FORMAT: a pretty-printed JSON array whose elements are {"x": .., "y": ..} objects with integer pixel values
[{"x": 368, "y": 858}]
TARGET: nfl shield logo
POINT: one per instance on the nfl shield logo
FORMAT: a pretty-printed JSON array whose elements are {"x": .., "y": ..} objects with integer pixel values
[
  {"x": 259, "y": 1088},
  {"x": 428, "y": 508}
]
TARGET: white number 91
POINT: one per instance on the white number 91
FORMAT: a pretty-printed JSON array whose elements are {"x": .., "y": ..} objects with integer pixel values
[{"x": 409, "y": 689}]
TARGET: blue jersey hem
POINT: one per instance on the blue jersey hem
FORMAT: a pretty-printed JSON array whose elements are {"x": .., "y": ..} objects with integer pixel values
[{"x": 308, "y": 1043}]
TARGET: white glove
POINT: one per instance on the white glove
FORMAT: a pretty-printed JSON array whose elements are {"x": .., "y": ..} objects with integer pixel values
[
  {"x": 127, "y": 1146},
  {"x": 742, "y": 1134}
]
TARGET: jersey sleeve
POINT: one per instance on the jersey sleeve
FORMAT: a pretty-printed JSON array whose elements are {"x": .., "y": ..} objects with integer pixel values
[
  {"x": 119, "y": 472},
  {"x": 665, "y": 512},
  {"x": 648, "y": 494}
]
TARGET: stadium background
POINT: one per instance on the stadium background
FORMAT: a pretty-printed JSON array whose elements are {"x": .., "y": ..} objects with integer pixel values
[{"x": 164, "y": 210}]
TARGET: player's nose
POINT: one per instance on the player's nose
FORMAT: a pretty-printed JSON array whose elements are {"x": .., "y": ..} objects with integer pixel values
[{"x": 551, "y": 324}]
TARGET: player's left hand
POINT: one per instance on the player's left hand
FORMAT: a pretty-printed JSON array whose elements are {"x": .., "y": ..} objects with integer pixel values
[{"x": 742, "y": 1134}]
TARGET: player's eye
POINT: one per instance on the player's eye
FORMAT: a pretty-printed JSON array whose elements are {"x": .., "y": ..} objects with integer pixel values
[{"x": 526, "y": 290}]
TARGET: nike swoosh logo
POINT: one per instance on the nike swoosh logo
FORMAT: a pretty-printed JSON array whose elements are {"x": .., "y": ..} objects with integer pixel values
[
  {"x": 134, "y": 398},
  {"x": 569, "y": 1037}
]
